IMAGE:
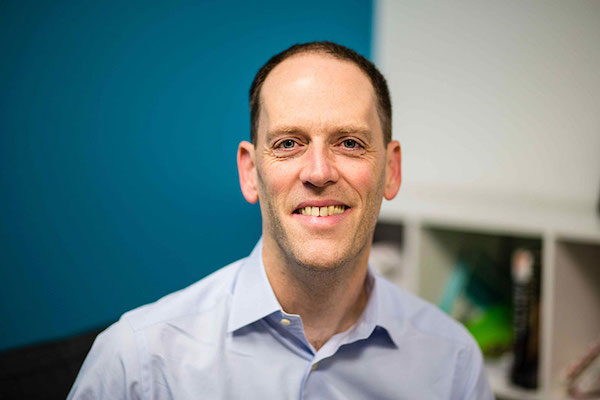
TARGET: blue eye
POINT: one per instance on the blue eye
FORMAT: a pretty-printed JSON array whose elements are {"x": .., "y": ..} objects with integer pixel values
[
  {"x": 350, "y": 144},
  {"x": 288, "y": 144}
]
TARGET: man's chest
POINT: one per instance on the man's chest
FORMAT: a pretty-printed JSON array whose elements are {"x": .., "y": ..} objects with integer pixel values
[{"x": 256, "y": 364}]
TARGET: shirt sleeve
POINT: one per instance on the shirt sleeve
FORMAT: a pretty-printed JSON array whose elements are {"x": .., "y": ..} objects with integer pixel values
[
  {"x": 476, "y": 385},
  {"x": 111, "y": 369}
]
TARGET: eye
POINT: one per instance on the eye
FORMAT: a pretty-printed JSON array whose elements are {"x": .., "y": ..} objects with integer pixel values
[
  {"x": 287, "y": 147},
  {"x": 350, "y": 143},
  {"x": 351, "y": 146},
  {"x": 287, "y": 144}
]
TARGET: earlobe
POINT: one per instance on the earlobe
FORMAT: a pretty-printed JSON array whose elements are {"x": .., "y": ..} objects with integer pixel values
[
  {"x": 393, "y": 170},
  {"x": 247, "y": 171}
]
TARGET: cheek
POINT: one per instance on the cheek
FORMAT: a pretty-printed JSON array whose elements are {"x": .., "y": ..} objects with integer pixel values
[
  {"x": 363, "y": 176},
  {"x": 275, "y": 178}
]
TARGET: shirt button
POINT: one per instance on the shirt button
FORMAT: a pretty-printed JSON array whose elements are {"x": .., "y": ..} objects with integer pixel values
[
  {"x": 285, "y": 321},
  {"x": 314, "y": 366}
]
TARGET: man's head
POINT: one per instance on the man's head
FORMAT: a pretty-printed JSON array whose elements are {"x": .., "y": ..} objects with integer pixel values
[
  {"x": 320, "y": 161},
  {"x": 384, "y": 104}
]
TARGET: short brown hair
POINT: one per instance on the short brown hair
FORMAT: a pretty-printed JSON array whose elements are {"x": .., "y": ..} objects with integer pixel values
[{"x": 384, "y": 104}]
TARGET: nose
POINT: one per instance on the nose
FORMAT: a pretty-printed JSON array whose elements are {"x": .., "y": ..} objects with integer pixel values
[{"x": 319, "y": 166}]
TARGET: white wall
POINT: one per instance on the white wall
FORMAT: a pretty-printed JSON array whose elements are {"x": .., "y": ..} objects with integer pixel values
[{"x": 495, "y": 98}]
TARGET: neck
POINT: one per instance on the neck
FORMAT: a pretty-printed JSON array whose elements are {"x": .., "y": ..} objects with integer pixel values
[{"x": 329, "y": 301}]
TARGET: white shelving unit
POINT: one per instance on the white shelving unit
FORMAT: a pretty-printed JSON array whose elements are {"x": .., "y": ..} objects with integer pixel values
[
  {"x": 436, "y": 226},
  {"x": 495, "y": 105}
]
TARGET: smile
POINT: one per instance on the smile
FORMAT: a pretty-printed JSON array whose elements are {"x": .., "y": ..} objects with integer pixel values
[{"x": 321, "y": 211}]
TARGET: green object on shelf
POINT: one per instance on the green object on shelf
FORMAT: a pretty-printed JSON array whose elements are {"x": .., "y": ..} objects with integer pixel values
[
  {"x": 492, "y": 329},
  {"x": 477, "y": 282},
  {"x": 476, "y": 277}
]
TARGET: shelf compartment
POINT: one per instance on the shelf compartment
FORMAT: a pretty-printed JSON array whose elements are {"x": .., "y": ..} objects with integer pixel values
[{"x": 575, "y": 321}]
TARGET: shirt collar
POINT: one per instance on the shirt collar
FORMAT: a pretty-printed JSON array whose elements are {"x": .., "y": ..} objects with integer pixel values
[
  {"x": 383, "y": 308},
  {"x": 253, "y": 297}
]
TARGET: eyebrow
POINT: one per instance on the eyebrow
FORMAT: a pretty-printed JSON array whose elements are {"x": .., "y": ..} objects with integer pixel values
[
  {"x": 282, "y": 130},
  {"x": 356, "y": 130}
]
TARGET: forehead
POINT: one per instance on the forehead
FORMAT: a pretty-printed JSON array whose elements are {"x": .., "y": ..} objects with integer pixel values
[{"x": 316, "y": 89}]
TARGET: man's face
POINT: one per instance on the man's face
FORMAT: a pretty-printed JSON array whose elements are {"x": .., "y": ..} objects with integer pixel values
[{"x": 320, "y": 164}]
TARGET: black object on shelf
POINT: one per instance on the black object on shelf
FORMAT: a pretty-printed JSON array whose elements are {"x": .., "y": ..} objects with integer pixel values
[{"x": 524, "y": 371}]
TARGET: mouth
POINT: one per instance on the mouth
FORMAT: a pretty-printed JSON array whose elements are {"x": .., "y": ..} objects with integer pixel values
[{"x": 321, "y": 211}]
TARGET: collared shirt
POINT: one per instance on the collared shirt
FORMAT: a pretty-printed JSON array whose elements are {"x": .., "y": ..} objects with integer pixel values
[{"x": 227, "y": 337}]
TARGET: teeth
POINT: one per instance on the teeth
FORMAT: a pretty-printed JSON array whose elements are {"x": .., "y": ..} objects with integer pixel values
[{"x": 322, "y": 211}]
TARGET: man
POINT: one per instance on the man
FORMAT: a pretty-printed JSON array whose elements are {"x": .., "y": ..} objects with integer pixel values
[{"x": 303, "y": 316}]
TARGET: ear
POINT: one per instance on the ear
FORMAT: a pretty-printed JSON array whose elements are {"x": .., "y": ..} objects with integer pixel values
[
  {"x": 393, "y": 170},
  {"x": 247, "y": 171}
]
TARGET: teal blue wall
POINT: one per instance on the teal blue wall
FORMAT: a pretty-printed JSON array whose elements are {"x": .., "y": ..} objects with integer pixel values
[{"x": 119, "y": 124}]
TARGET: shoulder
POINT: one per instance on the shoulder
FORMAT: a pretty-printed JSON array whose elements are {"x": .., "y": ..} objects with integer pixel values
[
  {"x": 200, "y": 297},
  {"x": 118, "y": 359},
  {"x": 433, "y": 335},
  {"x": 424, "y": 318}
]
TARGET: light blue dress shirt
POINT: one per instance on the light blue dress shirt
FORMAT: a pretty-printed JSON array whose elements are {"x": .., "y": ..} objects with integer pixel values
[{"x": 227, "y": 337}]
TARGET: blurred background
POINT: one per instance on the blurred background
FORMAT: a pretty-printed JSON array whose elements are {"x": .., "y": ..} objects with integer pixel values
[{"x": 119, "y": 125}]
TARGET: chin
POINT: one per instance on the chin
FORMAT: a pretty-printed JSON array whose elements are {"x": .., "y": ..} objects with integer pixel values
[
  {"x": 320, "y": 264},
  {"x": 321, "y": 256}
]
